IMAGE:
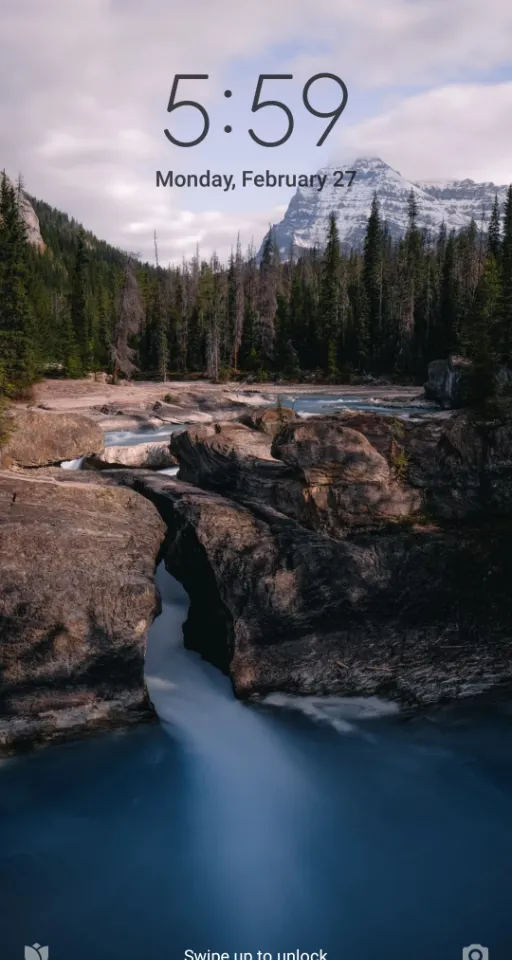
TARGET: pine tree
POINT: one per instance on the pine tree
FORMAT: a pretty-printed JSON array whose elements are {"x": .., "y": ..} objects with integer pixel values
[
  {"x": 267, "y": 302},
  {"x": 448, "y": 302},
  {"x": 330, "y": 299},
  {"x": 17, "y": 329},
  {"x": 410, "y": 279},
  {"x": 248, "y": 355},
  {"x": 478, "y": 334},
  {"x": 505, "y": 304},
  {"x": 494, "y": 232},
  {"x": 182, "y": 317},
  {"x": 79, "y": 358},
  {"x": 371, "y": 300},
  {"x": 161, "y": 319}
]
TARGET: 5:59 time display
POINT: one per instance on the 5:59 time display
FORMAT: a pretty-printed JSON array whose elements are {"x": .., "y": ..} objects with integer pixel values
[{"x": 258, "y": 104}]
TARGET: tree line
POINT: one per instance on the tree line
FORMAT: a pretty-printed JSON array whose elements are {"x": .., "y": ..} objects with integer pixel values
[{"x": 82, "y": 306}]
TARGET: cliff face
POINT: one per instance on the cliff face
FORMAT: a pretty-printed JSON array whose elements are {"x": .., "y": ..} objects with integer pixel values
[{"x": 31, "y": 221}]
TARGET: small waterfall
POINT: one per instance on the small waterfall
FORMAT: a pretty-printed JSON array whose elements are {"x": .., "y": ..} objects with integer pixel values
[{"x": 73, "y": 464}]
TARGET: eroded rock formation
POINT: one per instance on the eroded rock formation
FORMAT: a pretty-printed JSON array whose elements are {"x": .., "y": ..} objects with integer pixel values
[
  {"x": 419, "y": 613},
  {"x": 370, "y": 554},
  {"x": 348, "y": 554}
]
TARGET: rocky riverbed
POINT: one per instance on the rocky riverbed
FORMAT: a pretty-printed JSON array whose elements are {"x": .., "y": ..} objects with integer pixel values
[{"x": 350, "y": 553}]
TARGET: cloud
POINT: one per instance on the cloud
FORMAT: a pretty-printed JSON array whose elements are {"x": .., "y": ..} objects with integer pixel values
[
  {"x": 455, "y": 131},
  {"x": 84, "y": 85}
]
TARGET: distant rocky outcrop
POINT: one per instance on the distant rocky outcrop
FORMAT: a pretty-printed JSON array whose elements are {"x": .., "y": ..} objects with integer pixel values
[
  {"x": 31, "y": 221},
  {"x": 77, "y": 596},
  {"x": 39, "y": 439},
  {"x": 449, "y": 382}
]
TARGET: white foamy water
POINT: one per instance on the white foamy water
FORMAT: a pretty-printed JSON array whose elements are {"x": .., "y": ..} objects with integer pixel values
[
  {"x": 341, "y": 713},
  {"x": 129, "y": 438},
  {"x": 170, "y": 471}
]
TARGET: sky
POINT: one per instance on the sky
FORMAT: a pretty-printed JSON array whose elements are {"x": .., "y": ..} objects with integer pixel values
[{"x": 85, "y": 85}]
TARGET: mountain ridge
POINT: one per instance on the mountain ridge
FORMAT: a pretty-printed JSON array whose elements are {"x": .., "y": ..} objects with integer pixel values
[{"x": 453, "y": 202}]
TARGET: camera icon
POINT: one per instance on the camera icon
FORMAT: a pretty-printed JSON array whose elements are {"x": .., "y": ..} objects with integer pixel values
[{"x": 475, "y": 951}]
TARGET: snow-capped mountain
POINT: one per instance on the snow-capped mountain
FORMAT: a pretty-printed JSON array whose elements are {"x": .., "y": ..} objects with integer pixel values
[{"x": 453, "y": 201}]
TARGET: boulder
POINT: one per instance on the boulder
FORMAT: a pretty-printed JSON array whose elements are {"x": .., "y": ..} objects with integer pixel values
[
  {"x": 327, "y": 451},
  {"x": 152, "y": 456},
  {"x": 342, "y": 481},
  {"x": 77, "y": 596},
  {"x": 100, "y": 376},
  {"x": 39, "y": 439},
  {"x": 268, "y": 420}
]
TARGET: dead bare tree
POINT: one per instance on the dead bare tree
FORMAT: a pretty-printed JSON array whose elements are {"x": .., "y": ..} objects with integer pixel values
[
  {"x": 239, "y": 304},
  {"x": 163, "y": 349},
  {"x": 129, "y": 321}
]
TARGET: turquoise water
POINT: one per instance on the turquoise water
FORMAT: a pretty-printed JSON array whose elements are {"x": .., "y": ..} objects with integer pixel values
[{"x": 307, "y": 825}]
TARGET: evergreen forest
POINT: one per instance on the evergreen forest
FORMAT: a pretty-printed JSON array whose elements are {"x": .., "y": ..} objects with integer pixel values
[{"x": 81, "y": 306}]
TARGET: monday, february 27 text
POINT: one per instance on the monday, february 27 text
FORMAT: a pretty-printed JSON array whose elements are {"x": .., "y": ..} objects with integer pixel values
[{"x": 250, "y": 178}]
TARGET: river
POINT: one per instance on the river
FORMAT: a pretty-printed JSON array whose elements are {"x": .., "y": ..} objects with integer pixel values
[
  {"x": 301, "y": 824},
  {"x": 306, "y": 405},
  {"x": 313, "y": 825}
]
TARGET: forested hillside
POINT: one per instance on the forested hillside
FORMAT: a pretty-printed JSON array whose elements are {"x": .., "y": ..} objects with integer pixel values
[{"x": 81, "y": 305}]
